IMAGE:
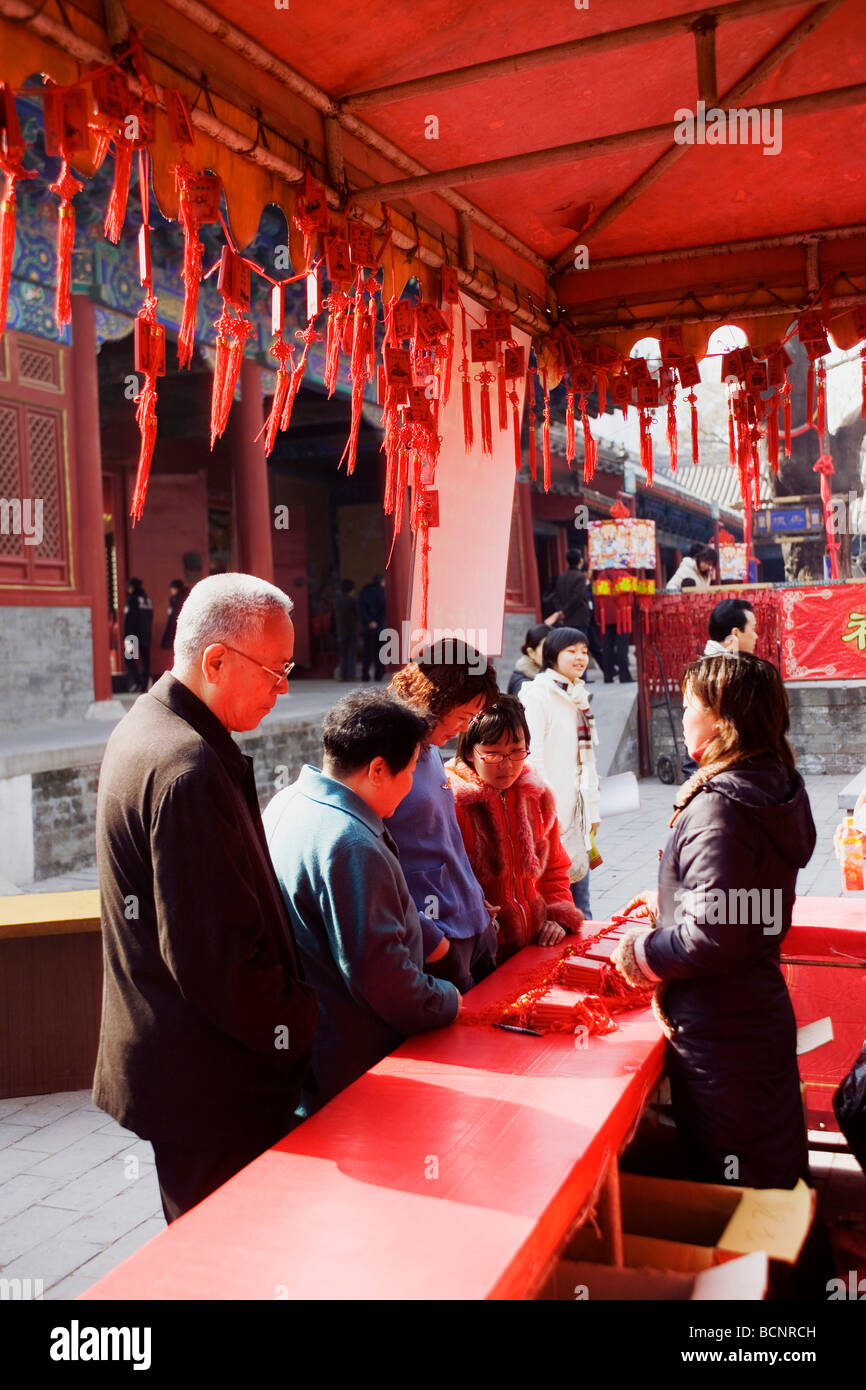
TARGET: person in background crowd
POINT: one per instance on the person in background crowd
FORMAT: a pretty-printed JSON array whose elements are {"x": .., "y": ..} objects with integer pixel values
[
  {"x": 346, "y": 618},
  {"x": 447, "y": 682},
  {"x": 507, "y": 818},
  {"x": 743, "y": 820},
  {"x": 696, "y": 570},
  {"x": 615, "y": 646},
  {"x": 207, "y": 1025},
  {"x": 371, "y": 611},
  {"x": 177, "y": 597},
  {"x": 572, "y": 598},
  {"x": 733, "y": 628},
  {"x": 137, "y": 633},
  {"x": 562, "y": 751},
  {"x": 356, "y": 925},
  {"x": 528, "y": 665}
]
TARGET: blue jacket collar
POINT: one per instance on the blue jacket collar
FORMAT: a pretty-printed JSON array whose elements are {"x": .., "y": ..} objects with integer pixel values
[{"x": 328, "y": 792}]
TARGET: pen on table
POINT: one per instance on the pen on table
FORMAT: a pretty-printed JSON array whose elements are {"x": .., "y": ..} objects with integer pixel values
[{"x": 513, "y": 1028}]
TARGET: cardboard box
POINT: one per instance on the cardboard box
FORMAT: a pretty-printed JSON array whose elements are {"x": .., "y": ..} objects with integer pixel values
[
  {"x": 573, "y": 1280},
  {"x": 690, "y": 1226}
]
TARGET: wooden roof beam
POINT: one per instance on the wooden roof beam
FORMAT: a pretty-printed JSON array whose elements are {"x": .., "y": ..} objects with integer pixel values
[
  {"x": 585, "y": 149},
  {"x": 607, "y": 42},
  {"x": 771, "y": 60},
  {"x": 705, "y": 53}
]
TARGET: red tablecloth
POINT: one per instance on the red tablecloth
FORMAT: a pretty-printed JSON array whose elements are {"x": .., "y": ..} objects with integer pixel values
[
  {"x": 453, "y": 1169},
  {"x": 831, "y": 930}
]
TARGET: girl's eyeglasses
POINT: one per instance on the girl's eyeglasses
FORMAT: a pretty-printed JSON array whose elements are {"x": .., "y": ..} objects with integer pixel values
[{"x": 503, "y": 757}]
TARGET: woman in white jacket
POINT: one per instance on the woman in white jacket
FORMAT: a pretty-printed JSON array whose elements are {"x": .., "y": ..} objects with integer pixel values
[{"x": 562, "y": 747}]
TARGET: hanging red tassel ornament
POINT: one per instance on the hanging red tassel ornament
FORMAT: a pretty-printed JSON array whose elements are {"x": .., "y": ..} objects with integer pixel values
[
  {"x": 545, "y": 434},
  {"x": 11, "y": 155},
  {"x": 515, "y": 425},
  {"x": 569, "y": 427},
  {"x": 198, "y": 204},
  {"x": 12, "y": 171},
  {"x": 672, "y": 431},
  {"x": 810, "y": 395},
  {"x": 468, "y": 430},
  {"x": 223, "y": 347},
  {"x": 646, "y": 443},
  {"x": 115, "y": 213},
  {"x": 307, "y": 336},
  {"x": 825, "y": 470},
  {"x": 590, "y": 448},
  {"x": 361, "y": 348},
  {"x": 66, "y": 188},
  {"x": 486, "y": 380},
  {"x": 503, "y": 395},
  {"x": 786, "y": 415},
  {"x": 821, "y": 414},
  {"x": 530, "y": 397},
  {"x": 693, "y": 405},
  {"x": 732, "y": 433},
  {"x": 150, "y": 363},
  {"x": 283, "y": 353},
  {"x": 862, "y": 376},
  {"x": 337, "y": 305},
  {"x": 773, "y": 432}
]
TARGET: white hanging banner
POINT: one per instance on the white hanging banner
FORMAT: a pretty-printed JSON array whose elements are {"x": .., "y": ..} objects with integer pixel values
[{"x": 469, "y": 548}]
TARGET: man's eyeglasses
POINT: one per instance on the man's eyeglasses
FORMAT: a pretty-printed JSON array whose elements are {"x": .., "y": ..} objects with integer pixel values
[
  {"x": 288, "y": 666},
  {"x": 503, "y": 757}
]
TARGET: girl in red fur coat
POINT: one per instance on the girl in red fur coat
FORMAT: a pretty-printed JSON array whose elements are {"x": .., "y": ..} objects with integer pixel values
[{"x": 507, "y": 818}]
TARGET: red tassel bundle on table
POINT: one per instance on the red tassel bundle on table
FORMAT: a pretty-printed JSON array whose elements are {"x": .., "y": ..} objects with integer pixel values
[
  {"x": 150, "y": 363},
  {"x": 66, "y": 188},
  {"x": 199, "y": 204},
  {"x": 11, "y": 154}
]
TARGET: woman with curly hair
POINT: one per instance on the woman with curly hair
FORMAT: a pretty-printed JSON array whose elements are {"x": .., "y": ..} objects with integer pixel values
[
  {"x": 448, "y": 683},
  {"x": 507, "y": 818},
  {"x": 742, "y": 827}
]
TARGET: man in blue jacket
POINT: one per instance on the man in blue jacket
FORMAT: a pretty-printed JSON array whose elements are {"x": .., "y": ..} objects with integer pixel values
[{"x": 356, "y": 926}]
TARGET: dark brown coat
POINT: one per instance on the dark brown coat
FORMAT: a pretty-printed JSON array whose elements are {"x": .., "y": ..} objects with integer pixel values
[{"x": 207, "y": 1025}]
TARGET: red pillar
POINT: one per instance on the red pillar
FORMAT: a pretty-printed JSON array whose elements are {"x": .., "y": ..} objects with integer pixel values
[
  {"x": 88, "y": 483},
  {"x": 252, "y": 499}
]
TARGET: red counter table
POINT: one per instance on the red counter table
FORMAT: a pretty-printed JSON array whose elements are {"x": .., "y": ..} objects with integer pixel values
[
  {"x": 831, "y": 932},
  {"x": 454, "y": 1169}
]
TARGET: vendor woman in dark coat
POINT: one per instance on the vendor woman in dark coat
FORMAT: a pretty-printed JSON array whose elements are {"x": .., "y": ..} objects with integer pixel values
[{"x": 742, "y": 827}]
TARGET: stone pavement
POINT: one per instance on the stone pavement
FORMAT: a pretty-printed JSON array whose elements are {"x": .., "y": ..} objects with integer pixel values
[{"x": 78, "y": 1194}]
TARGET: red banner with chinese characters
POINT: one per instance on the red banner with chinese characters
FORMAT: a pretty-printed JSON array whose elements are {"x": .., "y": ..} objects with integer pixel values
[{"x": 823, "y": 632}]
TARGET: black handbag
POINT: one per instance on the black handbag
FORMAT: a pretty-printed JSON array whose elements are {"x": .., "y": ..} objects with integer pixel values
[{"x": 849, "y": 1104}]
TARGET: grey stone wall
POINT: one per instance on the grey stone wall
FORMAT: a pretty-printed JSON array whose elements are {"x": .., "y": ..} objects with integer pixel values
[
  {"x": 828, "y": 726},
  {"x": 64, "y": 817},
  {"x": 513, "y": 633},
  {"x": 279, "y": 754},
  {"x": 46, "y": 664}
]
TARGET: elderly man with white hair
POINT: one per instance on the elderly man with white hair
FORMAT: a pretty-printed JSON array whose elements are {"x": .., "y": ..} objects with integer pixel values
[{"x": 207, "y": 1024}]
